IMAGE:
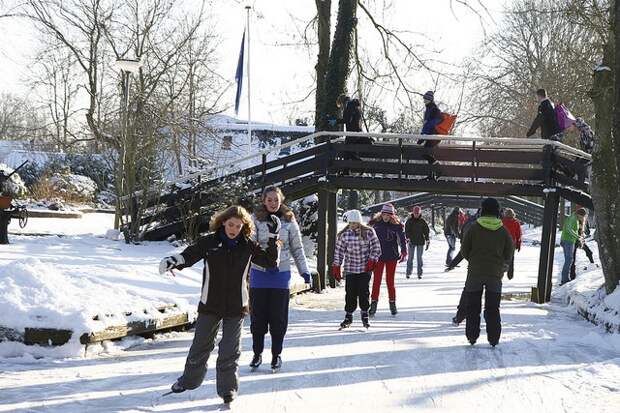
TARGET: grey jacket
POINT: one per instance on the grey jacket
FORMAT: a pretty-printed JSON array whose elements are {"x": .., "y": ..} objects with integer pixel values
[{"x": 292, "y": 246}]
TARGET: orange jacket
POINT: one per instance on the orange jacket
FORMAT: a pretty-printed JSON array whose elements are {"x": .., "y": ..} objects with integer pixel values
[{"x": 514, "y": 228}]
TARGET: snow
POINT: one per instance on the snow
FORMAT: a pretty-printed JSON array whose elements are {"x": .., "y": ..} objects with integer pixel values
[{"x": 549, "y": 358}]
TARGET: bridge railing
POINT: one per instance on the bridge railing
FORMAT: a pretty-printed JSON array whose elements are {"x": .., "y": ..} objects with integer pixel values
[{"x": 385, "y": 138}]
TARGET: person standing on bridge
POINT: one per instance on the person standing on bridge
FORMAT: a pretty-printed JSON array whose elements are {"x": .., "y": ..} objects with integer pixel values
[
  {"x": 546, "y": 119},
  {"x": 418, "y": 234},
  {"x": 514, "y": 228},
  {"x": 391, "y": 234},
  {"x": 451, "y": 231},
  {"x": 227, "y": 252},
  {"x": 269, "y": 287},
  {"x": 358, "y": 247},
  {"x": 487, "y": 246},
  {"x": 432, "y": 118},
  {"x": 352, "y": 121}
]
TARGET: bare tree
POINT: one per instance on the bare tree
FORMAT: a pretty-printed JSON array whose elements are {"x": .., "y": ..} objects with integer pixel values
[{"x": 538, "y": 44}]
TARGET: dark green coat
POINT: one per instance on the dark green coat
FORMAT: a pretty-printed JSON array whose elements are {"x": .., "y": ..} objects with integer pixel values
[{"x": 487, "y": 246}]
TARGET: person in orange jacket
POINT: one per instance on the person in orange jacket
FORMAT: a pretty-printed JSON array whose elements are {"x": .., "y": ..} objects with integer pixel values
[{"x": 514, "y": 228}]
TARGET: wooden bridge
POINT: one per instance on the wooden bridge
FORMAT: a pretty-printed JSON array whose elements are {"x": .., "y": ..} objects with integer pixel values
[
  {"x": 527, "y": 211},
  {"x": 469, "y": 166}
]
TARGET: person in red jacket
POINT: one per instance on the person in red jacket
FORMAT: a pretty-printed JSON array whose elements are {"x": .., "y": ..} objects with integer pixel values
[{"x": 514, "y": 228}]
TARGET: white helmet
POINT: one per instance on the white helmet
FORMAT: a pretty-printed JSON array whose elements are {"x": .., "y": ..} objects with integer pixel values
[{"x": 353, "y": 216}]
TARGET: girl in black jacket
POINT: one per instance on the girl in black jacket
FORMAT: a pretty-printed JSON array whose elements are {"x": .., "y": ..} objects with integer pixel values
[{"x": 227, "y": 252}]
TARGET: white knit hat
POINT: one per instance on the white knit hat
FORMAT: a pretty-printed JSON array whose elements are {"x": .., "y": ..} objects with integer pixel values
[{"x": 353, "y": 216}]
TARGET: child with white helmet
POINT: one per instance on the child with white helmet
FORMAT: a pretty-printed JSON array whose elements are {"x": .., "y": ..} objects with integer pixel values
[{"x": 358, "y": 247}]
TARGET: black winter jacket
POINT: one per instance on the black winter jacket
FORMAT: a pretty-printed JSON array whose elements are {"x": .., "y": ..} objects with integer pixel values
[
  {"x": 546, "y": 120},
  {"x": 352, "y": 116},
  {"x": 451, "y": 226},
  {"x": 416, "y": 230},
  {"x": 225, "y": 273}
]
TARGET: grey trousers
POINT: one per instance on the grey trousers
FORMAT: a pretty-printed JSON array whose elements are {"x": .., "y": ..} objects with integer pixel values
[{"x": 229, "y": 351}]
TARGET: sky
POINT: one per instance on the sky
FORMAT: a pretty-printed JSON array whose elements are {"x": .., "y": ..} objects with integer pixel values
[{"x": 281, "y": 71}]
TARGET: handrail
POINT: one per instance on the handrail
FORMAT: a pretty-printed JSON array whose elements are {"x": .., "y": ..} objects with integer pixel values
[{"x": 339, "y": 135}]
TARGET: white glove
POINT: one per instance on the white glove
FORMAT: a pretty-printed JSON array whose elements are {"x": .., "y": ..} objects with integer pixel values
[
  {"x": 168, "y": 263},
  {"x": 274, "y": 227}
]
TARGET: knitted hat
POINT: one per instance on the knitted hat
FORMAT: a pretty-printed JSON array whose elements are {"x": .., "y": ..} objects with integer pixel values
[
  {"x": 417, "y": 210},
  {"x": 353, "y": 216},
  {"x": 430, "y": 95},
  {"x": 388, "y": 209},
  {"x": 490, "y": 207}
]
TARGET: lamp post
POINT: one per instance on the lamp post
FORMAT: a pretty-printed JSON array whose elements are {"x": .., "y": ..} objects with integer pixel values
[{"x": 127, "y": 67}]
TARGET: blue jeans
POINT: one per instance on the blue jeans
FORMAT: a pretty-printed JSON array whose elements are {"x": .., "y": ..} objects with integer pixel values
[
  {"x": 568, "y": 248},
  {"x": 419, "y": 250},
  {"x": 451, "y": 247}
]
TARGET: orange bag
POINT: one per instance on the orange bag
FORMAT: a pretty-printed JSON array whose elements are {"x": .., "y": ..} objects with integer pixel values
[{"x": 446, "y": 124}]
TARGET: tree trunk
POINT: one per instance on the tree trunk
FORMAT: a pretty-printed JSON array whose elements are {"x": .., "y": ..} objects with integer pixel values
[
  {"x": 339, "y": 64},
  {"x": 323, "y": 8},
  {"x": 605, "y": 192}
]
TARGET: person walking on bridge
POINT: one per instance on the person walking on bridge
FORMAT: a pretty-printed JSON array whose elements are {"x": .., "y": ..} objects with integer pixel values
[
  {"x": 487, "y": 246},
  {"x": 546, "y": 119},
  {"x": 432, "y": 118},
  {"x": 359, "y": 249},
  {"x": 418, "y": 236},
  {"x": 269, "y": 287},
  {"x": 391, "y": 234}
]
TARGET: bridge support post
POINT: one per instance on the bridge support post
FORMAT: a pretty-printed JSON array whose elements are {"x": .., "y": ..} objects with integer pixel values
[
  {"x": 332, "y": 229},
  {"x": 547, "y": 249},
  {"x": 321, "y": 259}
]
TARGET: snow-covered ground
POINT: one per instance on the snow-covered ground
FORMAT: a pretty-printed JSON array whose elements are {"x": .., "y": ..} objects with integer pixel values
[{"x": 549, "y": 358}]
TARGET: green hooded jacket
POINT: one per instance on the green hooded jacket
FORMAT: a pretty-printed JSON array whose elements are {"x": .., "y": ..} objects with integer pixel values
[
  {"x": 570, "y": 230},
  {"x": 488, "y": 247}
]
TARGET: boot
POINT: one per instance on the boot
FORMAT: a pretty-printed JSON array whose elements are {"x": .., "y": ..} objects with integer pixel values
[
  {"x": 177, "y": 387},
  {"x": 276, "y": 363},
  {"x": 228, "y": 398},
  {"x": 257, "y": 360},
  {"x": 348, "y": 320},
  {"x": 393, "y": 309},
  {"x": 365, "y": 319},
  {"x": 373, "y": 308}
]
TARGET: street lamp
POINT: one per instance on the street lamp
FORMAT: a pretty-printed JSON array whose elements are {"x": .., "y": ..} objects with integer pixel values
[{"x": 127, "y": 67}]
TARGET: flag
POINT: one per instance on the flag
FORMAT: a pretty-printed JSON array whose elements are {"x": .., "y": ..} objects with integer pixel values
[{"x": 239, "y": 74}]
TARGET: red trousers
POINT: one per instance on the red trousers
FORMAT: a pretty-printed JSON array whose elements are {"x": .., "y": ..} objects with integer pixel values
[{"x": 390, "y": 270}]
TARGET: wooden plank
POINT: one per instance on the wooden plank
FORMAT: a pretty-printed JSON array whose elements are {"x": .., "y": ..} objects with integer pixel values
[
  {"x": 46, "y": 336},
  {"x": 446, "y": 171}
]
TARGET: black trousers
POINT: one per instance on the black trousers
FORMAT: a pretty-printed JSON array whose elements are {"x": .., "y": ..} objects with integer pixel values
[
  {"x": 588, "y": 251},
  {"x": 456, "y": 260},
  {"x": 268, "y": 312},
  {"x": 356, "y": 289},
  {"x": 474, "y": 287}
]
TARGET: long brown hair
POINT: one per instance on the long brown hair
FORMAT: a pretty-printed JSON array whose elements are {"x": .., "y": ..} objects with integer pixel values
[
  {"x": 377, "y": 217},
  {"x": 364, "y": 230},
  {"x": 235, "y": 211},
  {"x": 261, "y": 212}
]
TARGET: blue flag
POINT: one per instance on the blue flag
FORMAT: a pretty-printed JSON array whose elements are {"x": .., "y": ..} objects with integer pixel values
[{"x": 239, "y": 74}]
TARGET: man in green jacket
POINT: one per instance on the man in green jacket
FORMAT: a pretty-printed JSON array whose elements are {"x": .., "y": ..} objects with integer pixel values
[
  {"x": 570, "y": 237},
  {"x": 488, "y": 247}
]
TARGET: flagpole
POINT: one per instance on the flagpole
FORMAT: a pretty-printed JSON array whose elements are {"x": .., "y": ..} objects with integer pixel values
[{"x": 247, "y": 8}]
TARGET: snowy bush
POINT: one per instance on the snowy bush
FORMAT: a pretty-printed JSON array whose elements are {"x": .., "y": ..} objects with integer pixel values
[
  {"x": 69, "y": 187},
  {"x": 72, "y": 184},
  {"x": 14, "y": 186}
]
